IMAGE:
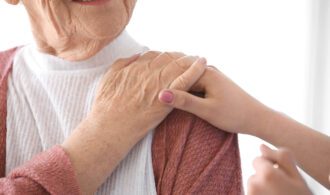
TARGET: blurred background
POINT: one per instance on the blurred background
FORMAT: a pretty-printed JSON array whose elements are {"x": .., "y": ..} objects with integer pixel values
[{"x": 277, "y": 50}]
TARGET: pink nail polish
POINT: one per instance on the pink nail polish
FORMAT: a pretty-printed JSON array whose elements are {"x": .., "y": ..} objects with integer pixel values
[{"x": 167, "y": 96}]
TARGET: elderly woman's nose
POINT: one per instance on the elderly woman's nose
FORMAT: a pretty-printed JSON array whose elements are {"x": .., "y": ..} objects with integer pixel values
[{"x": 14, "y": 2}]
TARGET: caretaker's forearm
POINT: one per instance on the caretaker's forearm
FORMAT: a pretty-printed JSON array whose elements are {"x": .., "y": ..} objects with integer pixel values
[{"x": 310, "y": 148}]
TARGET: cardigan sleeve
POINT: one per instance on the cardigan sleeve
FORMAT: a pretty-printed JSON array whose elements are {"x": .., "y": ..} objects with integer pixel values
[
  {"x": 191, "y": 156},
  {"x": 50, "y": 172}
]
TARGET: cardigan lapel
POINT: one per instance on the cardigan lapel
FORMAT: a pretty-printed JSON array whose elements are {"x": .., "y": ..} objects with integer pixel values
[{"x": 6, "y": 61}]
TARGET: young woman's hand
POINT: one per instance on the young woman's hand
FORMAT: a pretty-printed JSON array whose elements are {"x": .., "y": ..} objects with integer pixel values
[
  {"x": 229, "y": 108},
  {"x": 276, "y": 173},
  {"x": 225, "y": 104}
]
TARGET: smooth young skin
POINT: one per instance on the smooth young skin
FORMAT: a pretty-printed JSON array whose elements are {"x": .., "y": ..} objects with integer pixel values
[
  {"x": 279, "y": 178},
  {"x": 73, "y": 31},
  {"x": 228, "y": 107}
]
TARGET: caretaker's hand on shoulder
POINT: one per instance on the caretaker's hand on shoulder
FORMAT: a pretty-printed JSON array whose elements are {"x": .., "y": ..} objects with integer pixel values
[
  {"x": 228, "y": 107},
  {"x": 225, "y": 104},
  {"x": 125, "y": 108}
]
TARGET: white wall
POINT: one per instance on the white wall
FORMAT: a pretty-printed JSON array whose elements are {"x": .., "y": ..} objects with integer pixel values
[{"x": 261, "y": 44}]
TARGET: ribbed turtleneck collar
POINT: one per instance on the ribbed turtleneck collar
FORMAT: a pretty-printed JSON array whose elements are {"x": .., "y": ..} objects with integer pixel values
[{"x": 123, "y": 46}]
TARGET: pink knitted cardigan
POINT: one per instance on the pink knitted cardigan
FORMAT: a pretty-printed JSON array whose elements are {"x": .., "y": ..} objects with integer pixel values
[{"x": 189, "y": 157}]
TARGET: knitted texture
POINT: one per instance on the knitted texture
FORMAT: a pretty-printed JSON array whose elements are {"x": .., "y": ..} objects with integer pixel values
[
  {"x": 49, "y": 172},
  {"x": 191, "y": 156}
]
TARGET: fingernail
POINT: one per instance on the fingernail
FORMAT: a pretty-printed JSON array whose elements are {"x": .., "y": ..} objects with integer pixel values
[
  {"x": 202, "y": 60},
  {"x": 167, "y": 96}
]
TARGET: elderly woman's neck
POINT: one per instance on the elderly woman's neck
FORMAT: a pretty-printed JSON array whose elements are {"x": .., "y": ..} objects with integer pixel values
[{"x": 70, "y": 51}]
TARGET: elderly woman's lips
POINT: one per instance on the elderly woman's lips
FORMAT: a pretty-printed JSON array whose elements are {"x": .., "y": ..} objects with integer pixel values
[{"x": 90, "y": 2}]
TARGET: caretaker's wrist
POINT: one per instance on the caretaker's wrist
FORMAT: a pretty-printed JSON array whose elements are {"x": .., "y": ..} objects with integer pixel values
[{"x": 259, "y": 120}]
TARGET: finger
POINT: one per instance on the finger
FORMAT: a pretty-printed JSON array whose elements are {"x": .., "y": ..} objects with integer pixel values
[
  {"x": 149, "y": 56},
  {"x": 186, "y": 80},
  {"x": 254, "y": 187},
  {"x": 213, "y": 67},
  {"x": 123, "y": 62},
  {"x": 173, "y": 70},
  {"x": 209, "y": 76},
  {"x": 185, "y": 62},
  {"x": 184, "y": 101},
  {"x": 176, "y": 55},
  {"x": 282, "y": 157},
  {"x": 162, "y": 60},
  {"x": 263, "y": 165}
]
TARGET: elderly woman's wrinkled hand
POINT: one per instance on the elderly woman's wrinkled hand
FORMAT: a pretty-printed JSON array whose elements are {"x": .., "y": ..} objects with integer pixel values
[
  {"x": 276, "y": 173},
  {"x": 125, "y": 108},
  {"x": 128, "y": 94}
]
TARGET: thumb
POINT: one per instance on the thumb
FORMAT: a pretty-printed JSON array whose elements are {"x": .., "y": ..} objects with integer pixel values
[
  {"x": 283, "y": 158},
  {"x": 184, "y": 101}
]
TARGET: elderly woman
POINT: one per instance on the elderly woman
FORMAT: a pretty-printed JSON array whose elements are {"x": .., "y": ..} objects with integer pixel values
[{"x": 77, "y": 118}]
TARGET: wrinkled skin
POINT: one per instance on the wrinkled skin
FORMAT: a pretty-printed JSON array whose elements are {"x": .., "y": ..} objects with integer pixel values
[
  {"x": 76, "y": 32},
  {"x": 136, "y": 87},
  {"x": 126, "y": 107}
]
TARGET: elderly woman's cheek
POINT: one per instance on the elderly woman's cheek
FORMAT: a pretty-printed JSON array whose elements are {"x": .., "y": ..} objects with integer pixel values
[{"x": 129, "y": 4}]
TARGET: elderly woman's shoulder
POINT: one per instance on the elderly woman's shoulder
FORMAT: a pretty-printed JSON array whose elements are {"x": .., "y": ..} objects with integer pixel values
[
  {"x": 6, "y": 58},
  {"x": 7, "y": 54},
  {"x": 189, "y": 155}
]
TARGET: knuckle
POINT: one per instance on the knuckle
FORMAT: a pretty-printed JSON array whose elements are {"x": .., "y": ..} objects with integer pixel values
[
  {"x": 213, "y": 68},
  {"x": 251, "y": 181},
  {"x": 255, "y": 161},
  {"x": 184, "y": 102},
  {"x": 284, "y": 155},
  {"x": 120, "y": 61},
  {"x": 212, "y": 71},
  {"x": 175, "y": 55},
  {"x": 253, "y": 186},
  {"x": 182, "y": 83},
  {"x": 268, "y": 175},
  {"x": 186, "y": 61},
  {"x": 168, "y": 54},
  {"x": 152, "y": 52}
]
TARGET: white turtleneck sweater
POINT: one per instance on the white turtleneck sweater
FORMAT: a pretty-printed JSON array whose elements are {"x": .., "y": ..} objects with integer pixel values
[{"x": 48, "y": 97}]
